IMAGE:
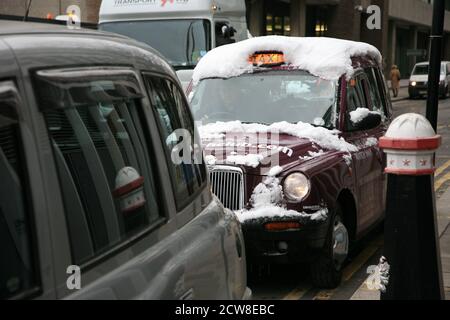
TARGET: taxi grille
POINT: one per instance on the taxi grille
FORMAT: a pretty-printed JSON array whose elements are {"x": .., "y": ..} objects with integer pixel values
[{"x": 228, "y": 185}]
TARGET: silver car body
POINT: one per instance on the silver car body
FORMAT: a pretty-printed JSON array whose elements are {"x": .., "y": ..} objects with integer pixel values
[{"x": 195, "y": 253}]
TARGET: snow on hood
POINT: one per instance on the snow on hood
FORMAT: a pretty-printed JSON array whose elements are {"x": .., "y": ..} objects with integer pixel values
[
  {"x": 325, "y": 138},
  {"x": 327, "y": 58}
]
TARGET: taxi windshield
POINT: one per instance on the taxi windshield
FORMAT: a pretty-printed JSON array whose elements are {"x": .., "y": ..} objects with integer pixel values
[{"x": 266, "y": 97}]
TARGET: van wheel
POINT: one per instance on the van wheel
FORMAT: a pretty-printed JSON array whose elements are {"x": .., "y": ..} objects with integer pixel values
[{"x": 326, "y": 269}]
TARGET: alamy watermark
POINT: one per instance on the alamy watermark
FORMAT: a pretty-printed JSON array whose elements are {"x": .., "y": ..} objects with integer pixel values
[
  {"x": 252, "y": 148},
  {"x": 374, "y": 20},
  {"x": 73, "y": 17},
  {"x": 74, "y": 279}
]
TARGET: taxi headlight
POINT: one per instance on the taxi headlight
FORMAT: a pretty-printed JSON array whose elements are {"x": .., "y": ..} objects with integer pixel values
[
  {"x": 296, "y": 187},
  {"x": 413, "y": 83}
]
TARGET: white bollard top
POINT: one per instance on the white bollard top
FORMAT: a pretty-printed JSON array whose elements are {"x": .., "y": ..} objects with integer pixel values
[
  {"x": 126, "y": 176},
  {"x": 410, "y": 126},
  {"x": 410, "y": 144}
]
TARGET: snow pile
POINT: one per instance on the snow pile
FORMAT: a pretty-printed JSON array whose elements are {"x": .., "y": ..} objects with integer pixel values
[
  {"x": 379, "y": 276},
  {"x": 249, "y": 160},
  {"x": 312, "y": 155},
  {"x": 266, "y": 202},
  {"x": 275, "y": 171},
  {"x": 210, "y": 160},
  {"x": 360, "y": 114},
  {"x": 370, "y": 142},
  {"x": 325, "y": 138},
  {"x": 348, "y": 159},
  {"x": 323, "y": 57}
]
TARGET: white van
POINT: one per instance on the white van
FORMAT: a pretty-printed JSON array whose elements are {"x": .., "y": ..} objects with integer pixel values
[
  {"x": 418, "y": 82},
  {"x": 182, "y": 30}
]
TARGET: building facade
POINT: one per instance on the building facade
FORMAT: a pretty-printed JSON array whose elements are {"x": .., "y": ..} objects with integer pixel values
[
  {"x": 49, "y": 9},
  {"x": 403, "y": 37}
]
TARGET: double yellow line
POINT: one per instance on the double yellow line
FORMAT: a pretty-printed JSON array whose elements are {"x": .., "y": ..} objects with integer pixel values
[
  {"x": 347, "y": 273},
  {"x": 366, "y": 254},
  {"x": 440, "y": 180}
]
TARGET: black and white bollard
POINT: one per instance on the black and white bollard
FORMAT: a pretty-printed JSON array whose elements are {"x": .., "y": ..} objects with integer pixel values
[{"x": 411, "y": 243}]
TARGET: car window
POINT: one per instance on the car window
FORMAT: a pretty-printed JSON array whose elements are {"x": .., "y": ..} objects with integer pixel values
[
  {"x": 104, "y": 164},
  {"x": 17, "y": 268},
  {"x": 356, "y": 98},
  {"x": 187, "y": 171},
  {"x": 375, "y": 91}
]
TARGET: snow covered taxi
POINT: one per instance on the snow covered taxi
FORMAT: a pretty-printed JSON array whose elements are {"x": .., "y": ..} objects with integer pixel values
[{"x": 290, "y": 129}]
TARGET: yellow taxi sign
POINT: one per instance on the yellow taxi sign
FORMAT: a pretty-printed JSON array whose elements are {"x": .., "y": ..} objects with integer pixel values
[{"x": 267, "y": 58}]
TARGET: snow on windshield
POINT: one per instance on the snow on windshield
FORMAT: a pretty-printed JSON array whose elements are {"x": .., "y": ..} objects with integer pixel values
[{"x": 326, "y": 58}]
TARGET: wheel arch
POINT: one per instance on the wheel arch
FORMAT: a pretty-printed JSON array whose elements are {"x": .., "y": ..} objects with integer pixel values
[{"x": 347, "y": 202}]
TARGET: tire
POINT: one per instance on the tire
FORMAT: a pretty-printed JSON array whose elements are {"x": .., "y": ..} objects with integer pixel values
[{"x": 326, "y": 269}]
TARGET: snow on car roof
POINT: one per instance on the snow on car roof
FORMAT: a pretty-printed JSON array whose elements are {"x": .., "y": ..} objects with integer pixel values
[{"x": 327, "y": 58}]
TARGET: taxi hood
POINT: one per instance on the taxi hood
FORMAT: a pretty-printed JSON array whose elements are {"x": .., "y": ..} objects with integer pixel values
[{"x": 258, "y": 148}]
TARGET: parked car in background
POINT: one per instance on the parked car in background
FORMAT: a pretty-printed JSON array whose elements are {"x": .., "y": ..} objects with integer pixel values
[
  {"x": 183, "y": 31},
  {"x": 298, "y": 143},
  {"x": 418, "y": 82},
  {"x": 87, "y": 180}
]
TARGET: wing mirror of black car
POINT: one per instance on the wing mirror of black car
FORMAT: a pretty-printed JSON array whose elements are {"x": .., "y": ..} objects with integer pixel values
[{"x": 371, "y": 121}]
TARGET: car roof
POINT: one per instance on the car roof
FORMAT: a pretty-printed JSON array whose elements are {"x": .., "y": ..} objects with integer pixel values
[
  {"x": 10, "y": 27},
  {"x": 24, "y": 41},
  {"x": 427, "y": 63}
]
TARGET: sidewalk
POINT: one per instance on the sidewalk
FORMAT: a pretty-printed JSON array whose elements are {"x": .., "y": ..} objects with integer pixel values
[
  {"x": 403, "y": 92},
  {"x": 443, "y": 213}
]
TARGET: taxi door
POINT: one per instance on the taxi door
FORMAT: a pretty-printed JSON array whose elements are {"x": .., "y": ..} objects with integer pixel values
[{"x": 368, "y": 160}]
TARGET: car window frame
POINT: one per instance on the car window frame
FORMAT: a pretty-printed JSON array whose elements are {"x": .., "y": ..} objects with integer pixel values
[
  {"x": 106, "y": 72},
  {"x": 182, "y": 208},
  {"x": 363, "y": 85},
  {"x": 11, "y": 92}
]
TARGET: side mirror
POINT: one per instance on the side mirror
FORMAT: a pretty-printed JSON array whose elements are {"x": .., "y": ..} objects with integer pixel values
[
  {"x": 228, "y": 31},
  {"x": 371, "y": 121}
]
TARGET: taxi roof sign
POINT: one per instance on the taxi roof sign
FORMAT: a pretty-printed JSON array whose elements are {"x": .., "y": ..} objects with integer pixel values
[{"x": 267, "y": 58}]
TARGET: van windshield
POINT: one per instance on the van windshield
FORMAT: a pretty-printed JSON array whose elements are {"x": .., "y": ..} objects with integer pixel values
[
  {"x": 182, "y": 42},
  {"x": 421, "y": 70}
]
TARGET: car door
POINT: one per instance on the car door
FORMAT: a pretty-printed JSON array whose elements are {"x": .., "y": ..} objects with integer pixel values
[
  {"x": 368, "y": 160},
  {"x": 118, "y": 219},
  {"x": 26, "y": 267},
  {"x": 208, "y": 245}
]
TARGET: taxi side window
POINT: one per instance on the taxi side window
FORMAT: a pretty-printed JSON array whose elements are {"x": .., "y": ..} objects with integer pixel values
[
  {"x": 17, "y": 268},
  {"x": 376, "y": 90},
  {"x": 176, "y": 125},
  {"x": 356, "y": 98},
  {"x": 104, "y": 165}
]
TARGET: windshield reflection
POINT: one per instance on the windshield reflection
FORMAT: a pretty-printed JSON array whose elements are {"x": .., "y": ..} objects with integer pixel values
[{"x": 267, "y": 98}]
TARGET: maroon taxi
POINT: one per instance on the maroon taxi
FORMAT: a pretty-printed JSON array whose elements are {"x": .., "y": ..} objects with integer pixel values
[{"x": 290, "y": 130}]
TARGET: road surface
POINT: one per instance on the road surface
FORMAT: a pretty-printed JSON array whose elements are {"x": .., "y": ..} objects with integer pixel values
[{"x": 293, "y": 282}]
